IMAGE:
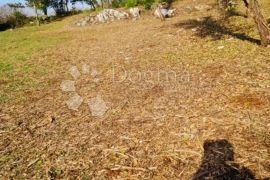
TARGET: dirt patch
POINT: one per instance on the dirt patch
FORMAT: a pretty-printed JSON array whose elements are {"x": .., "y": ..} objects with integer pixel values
[{"x": 250, "y": 100}]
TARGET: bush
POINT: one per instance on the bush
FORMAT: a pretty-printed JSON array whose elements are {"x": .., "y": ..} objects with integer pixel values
[
  {"x": 4, "y": 26},
  {"x": 131, "y": 3},
  {"x": 228, "y": 7},
  {"x": 16, "y": 19},
  {"x": 19, "y": 19},
  {"x": 116, "y": 3},
  {"x": 148, "y": 3},
  {"x": 169, "y": 2}
]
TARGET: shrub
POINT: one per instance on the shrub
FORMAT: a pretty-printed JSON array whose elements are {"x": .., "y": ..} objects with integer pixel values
[
  {"x": 116, "y": 3},
  {"x": 166, "y": 1},
  {"x": 131, "y": 3},
  {"x": 4, "y": 26},
  {"x": 16, "y": 19},
  {"x": 19, "y": 19},
  {"x": 148, "y": 3}
]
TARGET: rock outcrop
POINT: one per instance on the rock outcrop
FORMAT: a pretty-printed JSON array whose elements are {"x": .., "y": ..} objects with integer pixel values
[{"x": 107, "y": 15}]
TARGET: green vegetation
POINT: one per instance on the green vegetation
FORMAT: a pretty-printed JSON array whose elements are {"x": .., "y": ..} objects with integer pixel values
[
  {"x": 17, "y": 47},
  {"x": 148, "y": 3},
  {"x": 131, "y": 3},
  {"x": 17, "y": 19},
  {"x": 169, "y": 85}
]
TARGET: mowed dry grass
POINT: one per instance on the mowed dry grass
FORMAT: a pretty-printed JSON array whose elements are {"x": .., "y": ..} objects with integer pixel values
[{"x": 155, "y": 127}]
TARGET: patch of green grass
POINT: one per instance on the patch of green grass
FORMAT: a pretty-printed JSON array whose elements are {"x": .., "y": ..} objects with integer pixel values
[
  {"x": 21, "y": 85},
  {"x": 4, "y": 67},
  {"x": 3, "y": 98},
  {"x": 17, "y": 48}
]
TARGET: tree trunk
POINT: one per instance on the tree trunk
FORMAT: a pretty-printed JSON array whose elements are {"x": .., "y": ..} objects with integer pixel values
[
  {"x": 67, "y": 6},
  {"x": 62, "y": 9},
  {"x": 45, "y": 11},
  {"x": 102, "y": 5},
  {"x": 36, "y": 12},
  {"x": 92, "y": 5},
  {"x": 108, "y": 4},
  {"x": 264, "y": 31}
]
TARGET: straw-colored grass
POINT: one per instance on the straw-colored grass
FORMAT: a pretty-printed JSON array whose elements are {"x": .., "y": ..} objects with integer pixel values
[{"x": 154, "y": 128}]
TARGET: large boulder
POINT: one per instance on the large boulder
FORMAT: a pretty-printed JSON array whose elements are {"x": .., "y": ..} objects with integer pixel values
[
  {"x": 86, "y": 20},
  {"x": 110, "y": 15},
  {"x": 162, "y": 13},
  {"x": 158, "y": 13},
  {"x": 107, "y": 15},
  {"x": 135, "y": 12},
  {"x": 203, "y": 7}
]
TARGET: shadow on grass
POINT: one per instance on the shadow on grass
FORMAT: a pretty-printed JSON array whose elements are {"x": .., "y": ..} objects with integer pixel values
[
  {"x": 268, "y": 21},
  {"x": 208, "y": 27},
  {"x": 218, "y": 163}
]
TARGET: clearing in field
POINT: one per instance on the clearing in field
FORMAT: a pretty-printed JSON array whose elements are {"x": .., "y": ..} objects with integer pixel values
[{"x": 133, "y": 99}]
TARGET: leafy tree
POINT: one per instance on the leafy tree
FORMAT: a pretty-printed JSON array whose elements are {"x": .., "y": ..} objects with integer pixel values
[
  {"x": 15, "y": 18},
  {"x": 36, "y": 4},
  {"x": 15, "y": 6},
  {"x": 61, "y": 6},
  {"x": 44, "y": 5}
]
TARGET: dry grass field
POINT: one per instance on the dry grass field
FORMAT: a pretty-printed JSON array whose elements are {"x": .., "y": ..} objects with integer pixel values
[{"x": 168, "y": 85}]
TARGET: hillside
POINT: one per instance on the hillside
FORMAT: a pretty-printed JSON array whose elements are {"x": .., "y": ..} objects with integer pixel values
[{"x": 167, "y": 87}]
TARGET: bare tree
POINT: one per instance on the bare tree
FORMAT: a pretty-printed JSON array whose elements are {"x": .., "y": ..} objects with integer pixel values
[
  {"x": 255, "y": 12},
  {"x": 36, "y": 5}
]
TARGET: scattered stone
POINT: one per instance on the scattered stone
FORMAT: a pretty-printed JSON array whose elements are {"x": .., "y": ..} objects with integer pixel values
[
  {"x": 107, "y": 15},
  {"x": 230, "y": 39},
  {"x": 180, "y": 30},
  {"x": 135, "y": 13},
  {"x": 158, "y": 13},
  {"x": 110, "y": 15},
  {"x": 68, "y": 86},
  {"x": 220, "y": 47},
  {"x": 203, "y": 7},
  {"x": 86, "y": 20},
  {"x": 189, "y": 8},
  {"x": 171, "y": 12},
  {"x": 199, "y": 19},
  {"x": 194, "y": 29},
  {"x": 162, "y": 12}
]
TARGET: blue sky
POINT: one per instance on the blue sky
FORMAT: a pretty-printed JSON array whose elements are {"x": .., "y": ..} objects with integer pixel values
[
  {"x": 30, "y": 11},
  {"x": 2, "y": 2}
]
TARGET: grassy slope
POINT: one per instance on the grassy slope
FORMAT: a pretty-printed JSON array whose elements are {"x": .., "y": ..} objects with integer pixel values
[
  {"x": 67, "y": 146},
  {"x": 17, "y": 47}
]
